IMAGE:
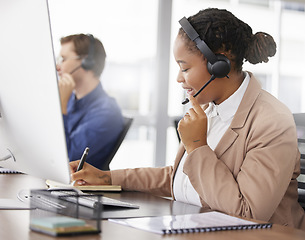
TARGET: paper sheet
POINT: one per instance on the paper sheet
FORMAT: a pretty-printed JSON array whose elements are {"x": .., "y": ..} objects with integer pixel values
[{"x": 13, "y": 204}]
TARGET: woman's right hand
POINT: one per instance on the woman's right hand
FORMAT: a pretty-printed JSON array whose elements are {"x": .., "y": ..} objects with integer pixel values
[{"x": 89, "y": 175}]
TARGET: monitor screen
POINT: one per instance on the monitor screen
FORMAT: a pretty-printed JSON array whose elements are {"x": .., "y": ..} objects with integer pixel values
[{"x": 32, "y": 138}]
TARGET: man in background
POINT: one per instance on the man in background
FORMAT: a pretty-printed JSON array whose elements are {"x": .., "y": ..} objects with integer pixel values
[{"x": 91, "y": 117}]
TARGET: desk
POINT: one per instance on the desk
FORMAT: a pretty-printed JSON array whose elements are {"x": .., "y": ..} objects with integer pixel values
[{"x": 15, "y": 223}]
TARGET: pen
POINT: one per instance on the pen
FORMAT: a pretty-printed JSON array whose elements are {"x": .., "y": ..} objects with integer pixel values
[{"x": 82, "y": 160}]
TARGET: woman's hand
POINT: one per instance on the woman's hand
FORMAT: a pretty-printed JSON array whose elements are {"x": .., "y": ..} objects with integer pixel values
[
  {"x": 192, "y": 127},
  {"x": 89, "y": 175}
]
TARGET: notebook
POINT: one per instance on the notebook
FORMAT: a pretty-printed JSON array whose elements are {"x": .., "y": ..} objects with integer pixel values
[
  {"x": 105, "y": 188},
  {"x": 190, "y": 223}
]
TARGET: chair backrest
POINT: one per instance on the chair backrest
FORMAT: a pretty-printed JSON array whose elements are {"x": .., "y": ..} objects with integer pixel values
[
  {"x": 127, "y": 124},
  {"x": 176, "y": 122},
  {"x": 299, "y": 119}
]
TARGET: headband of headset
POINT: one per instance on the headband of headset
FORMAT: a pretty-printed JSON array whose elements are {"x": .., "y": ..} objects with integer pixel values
[{"x": 218, "y": 65}]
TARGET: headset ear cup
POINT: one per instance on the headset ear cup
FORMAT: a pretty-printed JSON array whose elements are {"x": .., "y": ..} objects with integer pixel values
[
  {"x": 221, "y": 67},
  {"x": 87, "y": 63}
]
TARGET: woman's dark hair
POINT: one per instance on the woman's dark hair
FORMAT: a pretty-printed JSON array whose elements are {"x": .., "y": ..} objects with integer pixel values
[
  {"x": 81, "y": 44},
  {"x": 223, "y": 32}
]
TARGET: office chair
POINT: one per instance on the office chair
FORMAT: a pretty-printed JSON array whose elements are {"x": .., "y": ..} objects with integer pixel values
[
  {"x": 176, "y": 121},
  {"x": 127, "y": 124},
  {"x": 299, "y": 119}
]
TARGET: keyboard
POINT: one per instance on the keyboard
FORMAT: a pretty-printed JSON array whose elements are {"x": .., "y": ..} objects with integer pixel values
[
  {"x": 84, "y": 199},
  {"x": 91, "y": 200}
]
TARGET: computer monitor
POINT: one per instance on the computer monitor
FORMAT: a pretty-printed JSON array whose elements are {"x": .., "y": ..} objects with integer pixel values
[{"x": 32, "y": 138}]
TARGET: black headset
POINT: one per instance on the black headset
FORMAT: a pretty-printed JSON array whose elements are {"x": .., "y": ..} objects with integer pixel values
[
  {"x": 88, "y": 62},
  {"x": 218, "y": 65}
]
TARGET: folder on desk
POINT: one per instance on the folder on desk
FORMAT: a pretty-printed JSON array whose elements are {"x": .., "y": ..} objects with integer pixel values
[{"x": 190, "y": 223}]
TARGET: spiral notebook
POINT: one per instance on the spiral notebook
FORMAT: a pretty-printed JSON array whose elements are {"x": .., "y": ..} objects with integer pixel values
[
  {"x": 8, "y": 171},
  {"x": 190, "y": 223}
]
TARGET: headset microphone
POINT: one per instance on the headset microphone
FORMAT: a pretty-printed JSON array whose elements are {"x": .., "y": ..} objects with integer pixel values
[
  {"x": 203, "y": 87},
  {"x": 78, "y": 67}
]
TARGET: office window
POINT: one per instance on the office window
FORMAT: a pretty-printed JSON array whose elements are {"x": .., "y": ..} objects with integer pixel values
[
  {"x": 295, "y": 6},
  {"x": 255, "y": 3},
  {"x": 290, "y": 92}
]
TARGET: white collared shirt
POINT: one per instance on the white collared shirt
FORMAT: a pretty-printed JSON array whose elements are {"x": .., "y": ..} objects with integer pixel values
[{"x": 219, "y": 119}]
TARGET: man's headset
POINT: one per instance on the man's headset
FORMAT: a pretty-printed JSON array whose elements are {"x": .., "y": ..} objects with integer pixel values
[
  {"x": 218, "y": 65},
  {"x": 87, "y": 62}
]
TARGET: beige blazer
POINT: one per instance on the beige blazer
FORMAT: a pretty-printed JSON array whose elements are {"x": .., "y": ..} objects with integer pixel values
[{"x": 252, "y": 171}]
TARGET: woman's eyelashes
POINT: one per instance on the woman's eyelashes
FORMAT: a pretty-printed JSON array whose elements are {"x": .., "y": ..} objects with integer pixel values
[{"x": 184, "y": 70}]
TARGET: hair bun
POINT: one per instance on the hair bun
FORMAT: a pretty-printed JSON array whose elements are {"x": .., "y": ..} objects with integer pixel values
[{"x": 261, "y": 48}]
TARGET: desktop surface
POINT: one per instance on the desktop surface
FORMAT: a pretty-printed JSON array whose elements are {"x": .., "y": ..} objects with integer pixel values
[{"x": 15, "y": 223}]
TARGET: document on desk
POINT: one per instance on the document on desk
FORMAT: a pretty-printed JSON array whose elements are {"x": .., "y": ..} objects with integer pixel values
[
  {"x": 191, "y": 223},
  {"x": 13, "y": 204}
]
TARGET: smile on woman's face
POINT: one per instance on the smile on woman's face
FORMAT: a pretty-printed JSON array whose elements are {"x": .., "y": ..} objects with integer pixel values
[{"x": 193, "y": 73}]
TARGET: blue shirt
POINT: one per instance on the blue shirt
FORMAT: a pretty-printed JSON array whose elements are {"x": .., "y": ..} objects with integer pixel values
[{"x": 94, "y": 121}]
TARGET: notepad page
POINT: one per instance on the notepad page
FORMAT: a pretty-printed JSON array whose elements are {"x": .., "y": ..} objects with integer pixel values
[{"x": 198, "y": 221}]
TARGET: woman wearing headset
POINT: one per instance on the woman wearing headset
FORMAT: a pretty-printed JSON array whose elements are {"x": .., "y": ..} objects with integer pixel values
[{"x": 239, "y": 152}]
